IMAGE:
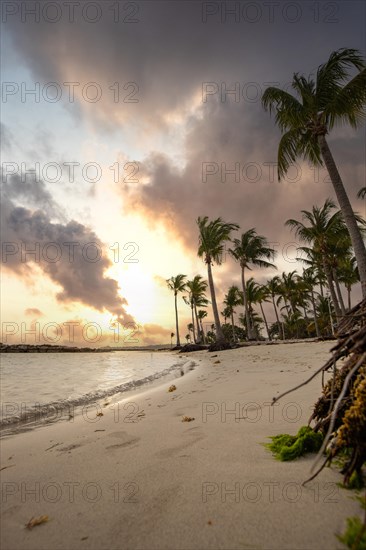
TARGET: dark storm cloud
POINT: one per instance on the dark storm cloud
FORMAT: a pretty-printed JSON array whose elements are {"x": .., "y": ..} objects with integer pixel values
[
  {"x": 224, "y": 140},
  {"x": 172, "y": 48},
  {"x": 70, "y": 253}
]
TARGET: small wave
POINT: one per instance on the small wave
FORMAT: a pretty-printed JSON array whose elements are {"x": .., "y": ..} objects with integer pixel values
[{"x": 65, "y": 408}]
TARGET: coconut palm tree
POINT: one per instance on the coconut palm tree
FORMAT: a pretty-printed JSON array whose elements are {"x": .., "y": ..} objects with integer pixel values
[
  {"x": 232, "y": 299},
  {"x": 262, "y": 296},
  {"x": 326, "y": 233},
  {"x": 348, "y": 275},
  {"x": 252, "y": 298},
  {"x": 177, "y": 284},
  {"x": 273, "y": 286},
  {"x": 212, "y": 237},
  {"x": 310, "y": 280},
  {"x": 362, "y": 193},
  {"x": 201, "y": 314},
  {"x": 251, "y": 249},
  {"x": 305, "y": 120},
  {"x": 196, "y": 298}
]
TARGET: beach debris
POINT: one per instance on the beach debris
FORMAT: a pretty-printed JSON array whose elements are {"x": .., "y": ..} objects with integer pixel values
[
  {"x": 187, "y": 419},
  {"x": 209, "y": 522},
  {"x": 142, "y": 413},
  {"x": 100, "y": 413},
  {"x": 4, "y": 467},
  {"x": 172, "y": 388},
  {"x": 33, "y": 522},
  {"x": 340, "y": 412},
  {"x": 106, "y": 404},
  {"x": 84, "y": 538},
  {"x": 218, "y": 361}
]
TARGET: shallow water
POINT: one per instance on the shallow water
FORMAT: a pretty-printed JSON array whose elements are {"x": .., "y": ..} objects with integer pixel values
[{"x": 38, "y": 382}]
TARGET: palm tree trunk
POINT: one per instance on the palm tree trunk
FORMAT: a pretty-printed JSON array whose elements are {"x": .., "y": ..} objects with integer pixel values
[
  {"x": 219, "y": 334},
  {"x": 339, "y": 292},
  {"x": 176, "y": 319},
  {"x": 349, "y": 297},
  {"x": 265, "y": 320},
  {"x": 321, "y": 289},
  {"x": 314, "y": 310},
  {"x": 346, "y": 208},
  {"x": 233, "y": 325},
  {"x": 250, "y": 334},
  {"x": 328, "y": 275},
  {"x": 199, "y": 335},
  {"x": 193, "y": 325},
  {"x": 202, "y": 332},
  {"x": 278, "y": 320}
]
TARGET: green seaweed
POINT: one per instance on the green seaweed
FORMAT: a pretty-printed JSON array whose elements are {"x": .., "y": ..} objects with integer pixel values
[
  {"x": 354, "y": 536},
  {"x": 289, "y": 447}
]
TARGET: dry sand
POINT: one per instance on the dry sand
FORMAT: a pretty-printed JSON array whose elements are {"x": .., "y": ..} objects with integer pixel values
[{"x": 140, "y": 478}]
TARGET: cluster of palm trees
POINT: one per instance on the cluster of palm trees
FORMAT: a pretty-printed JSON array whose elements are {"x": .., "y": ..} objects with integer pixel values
[
  {"x": 334, "y": 251},
  {"x": 305, "y": 305}
]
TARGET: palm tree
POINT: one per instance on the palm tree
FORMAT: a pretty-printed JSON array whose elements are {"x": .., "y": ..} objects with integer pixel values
[
  {"x": 327, "y": 233},
  {"x": 305, "y": 122},
  {"x": 310, "y": 280},
  {"x": 201, "y": 314},
  {"x": 251, "y": 249},
  {"x": 171, "y": 339},
  {"x": 212, "y": 237},
  {"x": 232, "y": 299},
  {"x": 177, "y": 284},
  {"x": 362, "y": 193},
  {"x": 273, "y": 286},
  {"x": 348, "y": 275},
  {"x": 252, "y": 298},
  {"x": 196, "y": 298},
  {"x": 262, "y": 296}
]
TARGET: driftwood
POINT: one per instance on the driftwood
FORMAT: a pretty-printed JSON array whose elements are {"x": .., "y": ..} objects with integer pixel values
[{"x": 340, "y": 412}]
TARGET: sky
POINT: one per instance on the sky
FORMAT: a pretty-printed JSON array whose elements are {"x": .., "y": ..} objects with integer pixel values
[{"x": 121, "y": 123}]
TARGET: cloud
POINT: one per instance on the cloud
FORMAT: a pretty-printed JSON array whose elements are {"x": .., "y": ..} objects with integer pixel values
[
  {"x": 33, "y": 312},
  {"x": 171, "y": 50},
  {"x": 152, "y": 333},
  {"x": 71, "y": 254}
]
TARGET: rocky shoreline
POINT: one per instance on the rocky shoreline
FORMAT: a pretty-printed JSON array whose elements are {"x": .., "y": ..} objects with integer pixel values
[{"x": 46, "y": 348}]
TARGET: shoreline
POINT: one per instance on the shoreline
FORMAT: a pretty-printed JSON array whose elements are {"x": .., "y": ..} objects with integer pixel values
[
  {"x": 143, "y": 479},
  {"x": 67, "y": 409}
]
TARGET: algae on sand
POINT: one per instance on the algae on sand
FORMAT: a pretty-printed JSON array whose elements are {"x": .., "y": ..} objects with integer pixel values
[{"x": 289, "y": 447}]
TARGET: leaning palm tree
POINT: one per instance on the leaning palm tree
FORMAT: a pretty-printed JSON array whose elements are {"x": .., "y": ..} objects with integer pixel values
[
  {"x": 251, "y": 249},
  {"x": 177, "y": 284},
  {"x": 305, "y": 120},
  {"x": 212, "y": 237}
]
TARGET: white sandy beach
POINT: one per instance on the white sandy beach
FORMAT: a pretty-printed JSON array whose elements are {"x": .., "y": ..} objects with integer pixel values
[{"x": 138, "y": 478}]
